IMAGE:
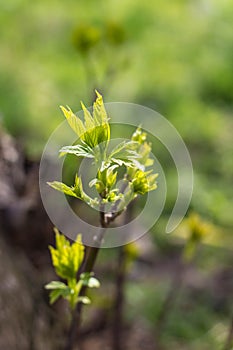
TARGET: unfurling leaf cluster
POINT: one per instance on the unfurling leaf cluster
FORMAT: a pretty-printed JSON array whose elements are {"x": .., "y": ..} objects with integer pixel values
[
  {"x": 67, "y": 259},
  {"x": 95, "y": 129},
  {"x": 133, "y": 156}
]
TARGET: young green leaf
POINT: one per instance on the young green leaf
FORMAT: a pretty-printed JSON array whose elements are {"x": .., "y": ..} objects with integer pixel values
[
  {"x": 54, "y": 295},
  {"x": 56, "y": 285},
  {"x": 75, "y": 191},
  {"x": 143, "y": 148},
  {"x": 105, "y": 180},
  {"x": 139, "y": 136},
  {"x": 123, "y": 154},
  {"x": 60, "y": 186},
  {"x": 99, "y": 112},
  {"x": 94, "y": 130},
  {"x": 78, "y": 150},
  {"x": 67, "y": 258},
  {"x": 125, "y": 148},
  {"x": 144, "y": 182},
  {"x": 75, "y": 123},
  {"x": 58, "y": 289},
  {"x": 89, "y": 121}
]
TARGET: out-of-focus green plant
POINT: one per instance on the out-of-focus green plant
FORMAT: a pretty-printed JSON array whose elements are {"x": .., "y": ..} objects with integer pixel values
[
  {"x": 132, "y": 252},
  {"x": 197, "y": 230},
  {"x": 115, "y": 33},
  {"x": 85, "y": 37},
  {"x": 100, "y": 48},
  {"x": 194, "y": 230},
  {"x": 67, "y": 259}
]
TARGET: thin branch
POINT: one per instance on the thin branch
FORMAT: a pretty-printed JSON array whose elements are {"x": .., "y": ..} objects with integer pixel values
[
  {"x": 90, "y": 259},
  {"x": 91, "y": 256}
]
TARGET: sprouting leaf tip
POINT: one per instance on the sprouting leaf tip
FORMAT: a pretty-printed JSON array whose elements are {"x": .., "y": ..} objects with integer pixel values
[
  {"x": 82, "y": 105},
  {"x": 56, "y": 230},
  {"x": 98, "y": 94}
]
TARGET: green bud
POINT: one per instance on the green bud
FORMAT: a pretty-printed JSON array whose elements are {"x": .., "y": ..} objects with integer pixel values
[
  {"x": 85, "y": 37},
  {"x": 144, "y": 182}
]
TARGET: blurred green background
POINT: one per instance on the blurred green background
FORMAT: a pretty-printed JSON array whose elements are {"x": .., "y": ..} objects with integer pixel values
[{"x": 175, "y": 57}]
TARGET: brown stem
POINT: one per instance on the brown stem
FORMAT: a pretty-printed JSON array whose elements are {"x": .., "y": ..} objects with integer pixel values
[
  {"x": 91, "y": 256},
  {"x": 73, "y": 328},
  {"x": 90, "y": 259}
]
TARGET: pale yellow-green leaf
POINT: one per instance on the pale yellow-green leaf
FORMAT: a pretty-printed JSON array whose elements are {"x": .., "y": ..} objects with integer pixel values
[
  {"x": 89, "y": 121},
  {"x": 67, "y": 257},
  {"x": 75, "y": 123},
  {"x": 60, "y": 186},
  {"x": 77, "y": 253},
  {"x": 99, "y": 112}
]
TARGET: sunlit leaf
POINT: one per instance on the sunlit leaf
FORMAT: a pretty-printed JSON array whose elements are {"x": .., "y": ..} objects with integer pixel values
[
  {"x": 94, "y": 130},
  {"x": 89, "y": 121},
  {"x": 60, "y": 186},
  {"x": 67, "y": 258},
  {"x": 58, "y": 289},
  {"x": 75, "y": 191},
  {"x": 75, "y": 123},
  {"x": 78, "y": 150},
  {"x": 144, "y": 182},
  {"x": 99, "y": 112},
  {"x": 56, "y": 285},
  {"x": 125, "y": 149}
]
